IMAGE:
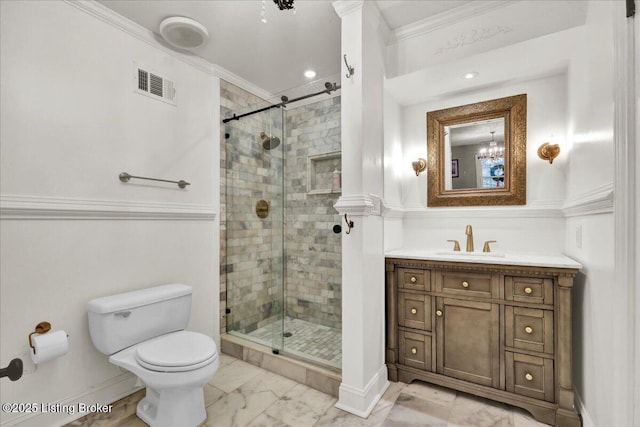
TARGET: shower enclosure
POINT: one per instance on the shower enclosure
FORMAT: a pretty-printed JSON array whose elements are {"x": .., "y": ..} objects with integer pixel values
[{"x": 281, "y": 255}]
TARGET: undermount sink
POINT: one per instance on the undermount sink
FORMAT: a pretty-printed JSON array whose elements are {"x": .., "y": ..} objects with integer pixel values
[{"x": 472, "y": 254}]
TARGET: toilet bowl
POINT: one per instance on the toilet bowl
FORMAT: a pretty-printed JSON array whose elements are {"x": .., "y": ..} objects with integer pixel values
[{"x": 143, "y": 332}]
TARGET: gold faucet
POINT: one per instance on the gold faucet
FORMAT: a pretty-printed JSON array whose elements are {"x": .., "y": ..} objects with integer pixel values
[{"x": 469, "y": 232}]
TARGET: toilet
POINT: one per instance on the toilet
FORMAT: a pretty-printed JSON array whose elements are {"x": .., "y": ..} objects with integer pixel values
[{"x": 143, "y": 332}]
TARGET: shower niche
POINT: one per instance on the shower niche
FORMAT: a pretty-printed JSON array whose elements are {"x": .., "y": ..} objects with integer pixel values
[
  {"x": 281, "y": 274},
  {"x": 324, "y": 173}
]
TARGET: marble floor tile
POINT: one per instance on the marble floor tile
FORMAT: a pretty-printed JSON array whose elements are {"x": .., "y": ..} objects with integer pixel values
[
  {"x": 522, "y": 418},
  {"x": 268, "y": 381},
  {"x": 264, "y": 420},
  {"x": 436, "y": 394},
  {"x": 233, "y": 375},
  {"x": 301, "y": 406},
  {"x": 237, "y": 409},
  {"x": 413, "y": 411},
  {"x": 211, "y": 394},
  {"x": 475, "y": 411}
]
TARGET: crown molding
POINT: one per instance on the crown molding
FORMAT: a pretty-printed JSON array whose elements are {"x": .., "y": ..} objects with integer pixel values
[
  {"x": 442, "y": 20},
  {"x": 48, "y": 208},
  {"x": 345, "y": 7}
]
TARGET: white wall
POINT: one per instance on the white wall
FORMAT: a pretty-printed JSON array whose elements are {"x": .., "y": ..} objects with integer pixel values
[
  {"x": 591, "y": 161},
  {"x": 538, "y": 226},
  {"x": 393, "y": 172},
  {"x": 70, "y": 230}
]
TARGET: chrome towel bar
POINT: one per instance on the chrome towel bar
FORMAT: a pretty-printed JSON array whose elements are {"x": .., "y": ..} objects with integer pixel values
[{"x": 125, "y": 177}]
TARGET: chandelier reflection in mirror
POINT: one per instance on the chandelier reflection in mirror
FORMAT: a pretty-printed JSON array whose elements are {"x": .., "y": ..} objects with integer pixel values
[
  {"x": 494, "y": 151},
  {"x": 491, "y": 161}
]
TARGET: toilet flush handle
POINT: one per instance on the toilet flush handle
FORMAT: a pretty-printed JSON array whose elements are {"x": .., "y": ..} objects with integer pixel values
[{"x": 123, "y": 313}]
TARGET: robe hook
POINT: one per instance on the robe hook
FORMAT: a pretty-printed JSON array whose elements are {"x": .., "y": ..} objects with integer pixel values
[
  {"x": 349, "y": 67},
  {"x": 349, "y": 223}
]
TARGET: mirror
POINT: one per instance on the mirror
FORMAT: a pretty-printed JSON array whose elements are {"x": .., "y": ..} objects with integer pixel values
[{"x": 477, "y": 153}]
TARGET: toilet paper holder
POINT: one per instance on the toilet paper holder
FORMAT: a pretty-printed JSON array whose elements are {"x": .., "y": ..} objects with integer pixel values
[{"x": 41, "y": 328}]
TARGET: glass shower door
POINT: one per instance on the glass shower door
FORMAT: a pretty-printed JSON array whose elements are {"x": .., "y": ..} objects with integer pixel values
[{"x": 254, "y": 219}]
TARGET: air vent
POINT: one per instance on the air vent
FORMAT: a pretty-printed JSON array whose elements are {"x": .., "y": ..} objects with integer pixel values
[{"x": 153, "y": 85}]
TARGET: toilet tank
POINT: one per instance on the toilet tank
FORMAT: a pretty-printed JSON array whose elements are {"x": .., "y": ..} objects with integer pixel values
[{"x": 120, "y": 321}]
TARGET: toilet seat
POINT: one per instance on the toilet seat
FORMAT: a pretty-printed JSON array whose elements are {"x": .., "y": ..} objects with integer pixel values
[{"x": 177, "y": 352}]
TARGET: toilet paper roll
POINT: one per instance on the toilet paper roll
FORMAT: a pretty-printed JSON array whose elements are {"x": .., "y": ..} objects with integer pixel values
[{"x": 49, "y": 346}]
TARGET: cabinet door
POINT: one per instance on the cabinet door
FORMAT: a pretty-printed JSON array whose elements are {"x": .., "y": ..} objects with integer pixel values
[{"x": 468, "y": 341}]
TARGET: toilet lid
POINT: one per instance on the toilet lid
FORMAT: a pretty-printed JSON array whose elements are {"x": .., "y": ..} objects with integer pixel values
[{"x": 177, "y": 351}]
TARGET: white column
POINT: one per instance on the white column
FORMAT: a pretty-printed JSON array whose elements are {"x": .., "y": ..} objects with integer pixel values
[{"x": 364, "y": 374}]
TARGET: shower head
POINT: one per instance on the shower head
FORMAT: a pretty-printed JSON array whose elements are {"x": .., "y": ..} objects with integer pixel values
[{"x": 269, "y": 142}]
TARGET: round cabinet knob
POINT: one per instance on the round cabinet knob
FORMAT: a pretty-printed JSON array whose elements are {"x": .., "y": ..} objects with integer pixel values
[
  {"x": 413, "y": 279},
  {"x": 414, "y": 310},
  {"x": 528, "y": 290},
  {"x": 414, "y": 350},
  {"x": 439, "y": 313},
  {"x": 528, "y": 329},
  {"x": 528, "y": 377},
  {"x": 465, "y": 284}
]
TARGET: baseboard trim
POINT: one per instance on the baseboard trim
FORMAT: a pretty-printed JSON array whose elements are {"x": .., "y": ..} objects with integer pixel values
[
  {"x": 587, "y": 421},
  {"x": 361, "y": 402}
]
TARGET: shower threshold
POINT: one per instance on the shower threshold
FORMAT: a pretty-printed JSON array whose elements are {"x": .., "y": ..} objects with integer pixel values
[{"x": 326, "y": 380}]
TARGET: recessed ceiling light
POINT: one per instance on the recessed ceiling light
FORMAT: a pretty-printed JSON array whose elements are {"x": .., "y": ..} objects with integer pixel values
[
  {"x": 470, "y": 75},
  {"x": 309, "y": 74}
]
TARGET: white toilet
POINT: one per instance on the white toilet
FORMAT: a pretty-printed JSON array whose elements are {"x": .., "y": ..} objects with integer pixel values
[{"x": 143, "y": 332}]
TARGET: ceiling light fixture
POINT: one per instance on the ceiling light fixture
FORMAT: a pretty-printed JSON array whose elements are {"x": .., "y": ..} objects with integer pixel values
[
  {"x": 309, "y": 74},
  {"x": 285, "y": 4},
  {"x": 183, "y": 33},
  {"x": 470, "y": 75},
  {"x": 282, "y": 5}
]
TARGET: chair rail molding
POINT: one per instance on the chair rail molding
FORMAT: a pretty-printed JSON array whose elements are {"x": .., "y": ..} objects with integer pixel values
[
  {"x": 596, "y": 201},
  {"x": 19, "y": 207}
]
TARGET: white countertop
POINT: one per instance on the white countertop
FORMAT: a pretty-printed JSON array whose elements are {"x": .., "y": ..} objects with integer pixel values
[{"x": 508, "y": 258}]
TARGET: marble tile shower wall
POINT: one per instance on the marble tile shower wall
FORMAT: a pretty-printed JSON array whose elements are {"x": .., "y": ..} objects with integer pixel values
[
  {"x": 312, "y": 249},
  {"x": 251, "y": 273}
]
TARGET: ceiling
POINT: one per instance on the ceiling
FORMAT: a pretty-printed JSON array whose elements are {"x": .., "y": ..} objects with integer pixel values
[{"x": 275, "y": 54}]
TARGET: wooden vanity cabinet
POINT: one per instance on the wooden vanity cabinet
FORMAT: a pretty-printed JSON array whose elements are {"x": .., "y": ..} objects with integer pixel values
[{"x": 498, "y": 331}]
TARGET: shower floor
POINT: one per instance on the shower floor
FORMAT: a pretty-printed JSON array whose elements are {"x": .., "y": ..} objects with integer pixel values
[{"x": 308, "y": 340}]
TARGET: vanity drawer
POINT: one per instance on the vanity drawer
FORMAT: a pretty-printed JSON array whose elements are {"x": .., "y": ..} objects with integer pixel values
[
  {"x": 533, "y": 290},
  {"x": 529, "y": 376},
  {"x": 414, "y": 279},
  {"x": 529, "y": 329},
  {"x": 475, "y": 284},
  {"x": 414, "y": 350},
  {"x": 414, "y": 311}
]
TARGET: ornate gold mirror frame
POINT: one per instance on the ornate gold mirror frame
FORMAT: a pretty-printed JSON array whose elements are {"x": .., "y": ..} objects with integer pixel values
[{"x": 513, "y": 110}]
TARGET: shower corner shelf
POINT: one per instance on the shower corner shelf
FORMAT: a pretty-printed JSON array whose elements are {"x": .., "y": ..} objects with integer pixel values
[{"x": 320, "y": 170}]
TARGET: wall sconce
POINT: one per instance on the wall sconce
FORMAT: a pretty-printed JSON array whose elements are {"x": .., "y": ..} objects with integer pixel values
[
  {"x": 419, "y": 165},
  {"x": 548, "y": 152}
]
